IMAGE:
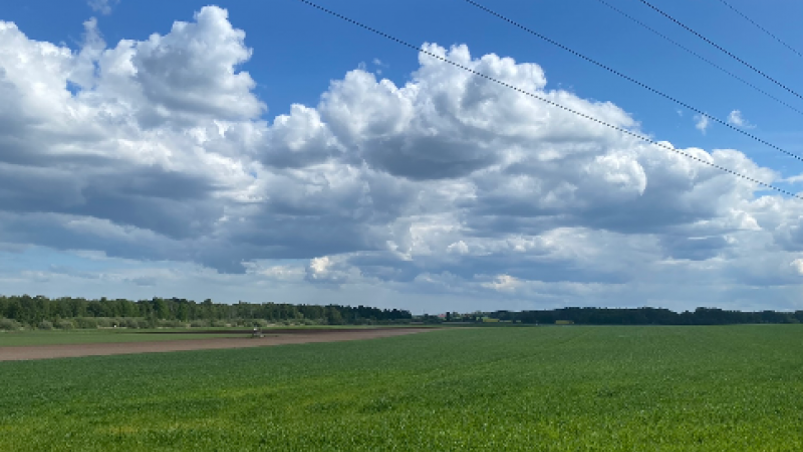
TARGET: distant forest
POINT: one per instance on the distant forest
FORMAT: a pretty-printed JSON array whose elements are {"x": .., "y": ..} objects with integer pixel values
[
  {"x": 634, "y": 316},
  {"x": 45, "y": 313},
  {"x": 78, "y": 312}
]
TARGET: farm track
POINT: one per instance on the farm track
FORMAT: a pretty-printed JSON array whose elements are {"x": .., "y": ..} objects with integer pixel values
[
  {"x": 273, "y": 331},
  {"x": 275, "y": 337}
]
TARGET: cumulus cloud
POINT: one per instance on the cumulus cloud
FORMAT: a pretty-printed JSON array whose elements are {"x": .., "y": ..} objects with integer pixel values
[
  {"x": 159, "y": 151},
  {"x": 735, "y": 117},
  {"x": 331, "y": 271}
]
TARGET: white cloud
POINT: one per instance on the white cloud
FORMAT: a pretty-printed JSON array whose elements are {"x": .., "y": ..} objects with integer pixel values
[
  {"x": 701, "y": 123},
  {"x": 377, "y": 62},
  {"x": 798, "y": 265},
  {"x": 333, "y": 271},
  {"x": 503, "y": 283},
  {"x": 794, "y": 179},
  {"x": 102, "y": 6},
  {"x": 446, "y": 186},
  {"x": 735, "y": 117}
]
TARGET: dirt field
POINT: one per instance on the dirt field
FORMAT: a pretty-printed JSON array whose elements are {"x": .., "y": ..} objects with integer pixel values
[{"x": 274, "y": 337}]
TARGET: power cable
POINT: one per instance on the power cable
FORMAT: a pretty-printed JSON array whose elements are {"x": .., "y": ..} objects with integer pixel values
[
  {"x": 702, "y": 58},
  {"x": 720, "y": 48},
  {"x": 630, "y": 79},
  {"x": 795, "y": 51},
  {"x": 542, "y": 99}
]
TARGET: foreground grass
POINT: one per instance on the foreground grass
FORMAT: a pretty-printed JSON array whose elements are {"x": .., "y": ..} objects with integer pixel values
[
  {"x": 56, "y": 337},
  {"x": 551, "y": 389}
]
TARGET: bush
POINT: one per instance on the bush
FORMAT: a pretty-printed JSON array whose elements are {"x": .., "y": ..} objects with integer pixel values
[
  {"x": 149, "y": 322},
  {"x": 199, "y": 324},
  {"x": 45, "y": 325},
  {"x": 102, "y": 322},
  {"x": 86, "y": 323},
  {"x": 172, "y": 324},
  {"x": 261, "y": 323},
  {"x": 130, "y": 322},
  {"x": 9, "y": 325},
  {"x": 219, "y": 323},
  {"x": 110, "y": 322},
  {"x": 64, "y": 324}
]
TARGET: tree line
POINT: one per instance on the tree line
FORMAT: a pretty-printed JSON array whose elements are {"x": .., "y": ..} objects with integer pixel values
[
  {"x": 38, "y": 310},
  {"x": 33, "y": 310},
  {"x": 631, "y": 316}
]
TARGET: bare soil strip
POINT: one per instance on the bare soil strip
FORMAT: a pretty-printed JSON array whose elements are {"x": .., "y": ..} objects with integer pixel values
[
  {"x": 272, "y": 330},
  {"x": 296, "y": 337}
]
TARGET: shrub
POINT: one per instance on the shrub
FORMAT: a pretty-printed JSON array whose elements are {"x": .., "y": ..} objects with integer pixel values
[
  {"x": 9, "y": 325},
  {"x": 219, "y": 323},
  {"x": 199, "y": 324},
  {"x": 149, "y": 322},
  {"x": 64, "y": 324},
  {"x": 45, "y": 325},
  {"x": 86, "y": 323},
  {"x": 103, "y": 322},
  {"x": 130, "y": 322}
]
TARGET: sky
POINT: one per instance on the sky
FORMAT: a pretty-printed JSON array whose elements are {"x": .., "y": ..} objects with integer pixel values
[{"x": 269, "y": 152}]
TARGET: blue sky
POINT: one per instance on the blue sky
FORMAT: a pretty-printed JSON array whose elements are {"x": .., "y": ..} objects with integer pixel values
[{"x": 297, "y": 52}]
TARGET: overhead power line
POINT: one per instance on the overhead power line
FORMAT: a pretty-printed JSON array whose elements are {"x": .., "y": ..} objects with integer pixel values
[
  {"x": 720, "y": 48},
  {"x": 631, "y": 79},
  {"x": 702, "y": 58},
  {"x": 545, "y": 100},
  {"x": 795, "y": 51}
]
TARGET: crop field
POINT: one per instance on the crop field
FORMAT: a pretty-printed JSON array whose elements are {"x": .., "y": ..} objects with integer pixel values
[{"x": 733, "y": 388}]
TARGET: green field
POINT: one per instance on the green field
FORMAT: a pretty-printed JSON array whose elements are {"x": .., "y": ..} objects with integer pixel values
[
  {"x": 736, "y": 388},
  {"x": 25, "y": 338}
]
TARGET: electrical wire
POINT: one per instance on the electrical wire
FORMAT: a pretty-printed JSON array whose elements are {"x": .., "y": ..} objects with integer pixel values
[
  {"x": 702, "y": 58},
  {"x": 542, "y": 99},
  {"x": 631, "y": 79},
  {"x": 795, "y": 51},
  {"x": 720, "y": 48}
]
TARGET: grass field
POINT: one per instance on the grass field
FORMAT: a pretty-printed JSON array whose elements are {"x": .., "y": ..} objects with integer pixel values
[
  {"x": 25, "y": 338},
  {"x": 737, "y": 388}
]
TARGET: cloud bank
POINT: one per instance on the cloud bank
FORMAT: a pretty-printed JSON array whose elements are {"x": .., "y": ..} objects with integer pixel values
[{"x": 447, "y": 186}]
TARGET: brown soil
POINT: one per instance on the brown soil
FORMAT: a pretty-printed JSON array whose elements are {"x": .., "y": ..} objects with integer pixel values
[
  {"x": 271, "y": 338},
  {"x": 272, "y": 331}
]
